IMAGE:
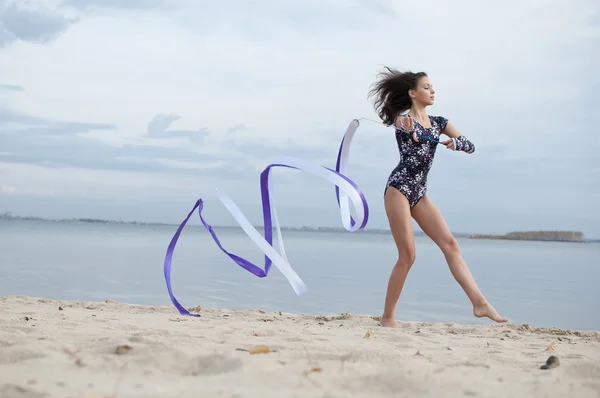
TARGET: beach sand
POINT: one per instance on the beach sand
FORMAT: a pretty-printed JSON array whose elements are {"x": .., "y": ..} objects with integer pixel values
[{"x": 107, "y": 349}]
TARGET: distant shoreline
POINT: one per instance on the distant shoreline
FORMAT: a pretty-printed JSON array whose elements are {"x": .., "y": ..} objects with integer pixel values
[
  {"x": 120, "y": 222},
  {"x": 544, "y": 236}
]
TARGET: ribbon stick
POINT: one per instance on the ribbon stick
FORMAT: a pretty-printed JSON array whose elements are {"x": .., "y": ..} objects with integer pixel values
[
  {"x": 346, "y": 190},
  {"x": 429, "y": 139}
]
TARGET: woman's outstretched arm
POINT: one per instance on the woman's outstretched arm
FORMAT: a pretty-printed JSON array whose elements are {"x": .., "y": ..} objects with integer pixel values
[{"x": 457, "y": 141}]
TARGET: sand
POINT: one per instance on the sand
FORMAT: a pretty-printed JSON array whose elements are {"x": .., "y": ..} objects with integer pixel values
[{"x": 107, "y": 349}]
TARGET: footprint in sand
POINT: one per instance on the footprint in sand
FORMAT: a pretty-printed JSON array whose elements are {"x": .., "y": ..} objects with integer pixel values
[
  {"x": 15, "y": 355},
  {"x": 297, "y": 340},
  {"x": 213, "y": 364},
  {"x": 15, "y": 391}
]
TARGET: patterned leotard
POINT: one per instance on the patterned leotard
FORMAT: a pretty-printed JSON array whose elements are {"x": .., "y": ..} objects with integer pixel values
[{"x": 416, "y": 159}]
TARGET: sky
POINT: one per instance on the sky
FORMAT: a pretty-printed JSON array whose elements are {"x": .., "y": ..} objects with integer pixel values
[{"x": 134, "y": 109}]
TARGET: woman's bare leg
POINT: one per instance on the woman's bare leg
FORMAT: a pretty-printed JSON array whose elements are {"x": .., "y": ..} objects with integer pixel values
[
  {"x": 397, "y": 209},
  {"x": 431, "y": 221}
]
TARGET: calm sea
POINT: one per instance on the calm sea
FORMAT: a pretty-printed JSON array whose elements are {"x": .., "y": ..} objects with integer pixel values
[{"x": 543, "y": 284}]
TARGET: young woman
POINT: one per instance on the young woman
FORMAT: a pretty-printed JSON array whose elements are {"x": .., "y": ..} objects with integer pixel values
[{"x": 405, "y": 192}]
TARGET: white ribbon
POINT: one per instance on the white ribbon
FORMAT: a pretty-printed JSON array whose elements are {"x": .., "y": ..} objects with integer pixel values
[{"x": 348, "y": 192}]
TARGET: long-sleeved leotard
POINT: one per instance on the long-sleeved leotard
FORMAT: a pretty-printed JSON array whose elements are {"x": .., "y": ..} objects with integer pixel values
[{"x": 416, "y": 158}]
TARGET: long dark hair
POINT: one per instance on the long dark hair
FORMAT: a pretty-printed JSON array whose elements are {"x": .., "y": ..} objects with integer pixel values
[{"x": 391, "y": 93}]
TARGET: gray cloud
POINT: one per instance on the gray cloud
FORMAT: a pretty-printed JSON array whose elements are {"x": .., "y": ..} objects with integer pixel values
[
  {"x": 117, "y": 4},
  {"x": 39, "y": 141},
  {"x": 9, "y": 116},
  {"x": 11, "y": 87},
  {"x": 378, "y": 6},
  {"x": 30, "y": 25},
  {"x": 31, "y": 125},
  {"x": 81, "y": 152},
  {"x": 269, "y": 152},
  {"x": 53, "y": 143},
  {"x": 237, "y": 127},
  {"x": 158, "y": 128}
]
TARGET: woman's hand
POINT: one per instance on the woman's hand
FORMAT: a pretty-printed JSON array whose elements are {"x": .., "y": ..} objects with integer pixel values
[
  {"x": 406, "y": 123},
  {"x": 449, "y": 144}
]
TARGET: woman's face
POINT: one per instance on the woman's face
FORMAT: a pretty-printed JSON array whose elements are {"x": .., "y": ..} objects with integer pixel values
[{"x": 424, "y": 94}]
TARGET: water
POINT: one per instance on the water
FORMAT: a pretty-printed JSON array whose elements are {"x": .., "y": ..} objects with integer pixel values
[{"x": 544, "y": 284}]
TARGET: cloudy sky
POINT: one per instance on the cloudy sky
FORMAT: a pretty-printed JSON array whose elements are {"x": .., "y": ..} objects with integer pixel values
[{"x": 133, "y": 109}]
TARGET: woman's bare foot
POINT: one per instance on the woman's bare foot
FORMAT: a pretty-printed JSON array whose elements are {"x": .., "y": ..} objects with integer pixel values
[
  {"x": 486, "y": 310},
  {"x": 389, "y": 323}
]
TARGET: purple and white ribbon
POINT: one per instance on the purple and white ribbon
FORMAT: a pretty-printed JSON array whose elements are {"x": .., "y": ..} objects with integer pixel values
[{"x": 346, "y": 190}]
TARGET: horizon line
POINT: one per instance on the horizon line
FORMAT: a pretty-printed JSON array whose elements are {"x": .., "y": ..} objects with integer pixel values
[{"x": 9, "y": 215}]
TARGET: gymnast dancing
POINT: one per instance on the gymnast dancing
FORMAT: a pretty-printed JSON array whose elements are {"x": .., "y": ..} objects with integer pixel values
[{"x": 417, "y": 135}]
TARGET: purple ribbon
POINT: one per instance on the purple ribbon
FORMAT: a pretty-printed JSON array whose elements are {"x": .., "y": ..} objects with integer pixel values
[{"x": 268, "y": 229}]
